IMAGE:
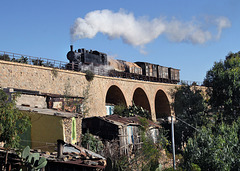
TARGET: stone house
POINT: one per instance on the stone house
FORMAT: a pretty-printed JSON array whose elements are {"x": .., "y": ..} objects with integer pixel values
[{"x": 52, "y": 117}]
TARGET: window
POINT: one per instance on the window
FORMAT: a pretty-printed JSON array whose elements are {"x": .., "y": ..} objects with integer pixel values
[
  {"x": 130, "y": 135},
  {"x": 110, "y": 109}
]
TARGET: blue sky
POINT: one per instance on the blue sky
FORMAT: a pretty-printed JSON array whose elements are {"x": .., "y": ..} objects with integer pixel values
[{"x": 189, "y": 35}]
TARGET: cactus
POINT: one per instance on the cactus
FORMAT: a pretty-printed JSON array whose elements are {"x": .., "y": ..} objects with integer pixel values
[
  {"x": 41, "y": 163},
  {"x": 25, "y": 152},
  {"x": 32, "y": 161}
]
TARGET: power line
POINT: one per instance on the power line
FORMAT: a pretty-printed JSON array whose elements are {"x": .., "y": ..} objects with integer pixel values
[
  {"x": 173, "y": 143},
  {"x": 187, "y": 124}
]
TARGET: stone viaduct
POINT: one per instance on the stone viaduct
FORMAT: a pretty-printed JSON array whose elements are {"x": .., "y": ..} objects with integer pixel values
[{"x": 155, "y": 97}]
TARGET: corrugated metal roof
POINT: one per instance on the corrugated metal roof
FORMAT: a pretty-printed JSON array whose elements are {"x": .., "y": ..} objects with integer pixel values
[
  {"x": 72, "y": 154},
  {"x": 38, "y": 93},
  {"x": 118, "y": 120}
]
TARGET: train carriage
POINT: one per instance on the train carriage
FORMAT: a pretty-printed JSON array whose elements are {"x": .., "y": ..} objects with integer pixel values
[
  {"x": 174, "y": 75},
  {"x": 116, "y": 65},
  {"x": 133, "y": 68},
  {"x": 148, "y": 69},
  {"x": 163, "y": 73}
]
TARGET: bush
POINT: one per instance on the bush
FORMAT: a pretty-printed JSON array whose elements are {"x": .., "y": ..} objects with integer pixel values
[
  {"x": 89, "y": 75},
  {"x": 132, "y": 111},
  {"x": 4, "y": 57},
  {"x": 91, "y": 142},
  {"x": 119, "y": 109},
  {"x": 38, "y": 62}
]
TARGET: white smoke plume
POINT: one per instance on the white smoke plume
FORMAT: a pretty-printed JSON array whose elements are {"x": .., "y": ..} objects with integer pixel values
[
  {"x": 222, "y": 22},
  {"x": 141, "y": 31},
  {"x": 98, "y": 70},
  {"x": 186, "y": 32},
  {"x": 116, "y": 25}
]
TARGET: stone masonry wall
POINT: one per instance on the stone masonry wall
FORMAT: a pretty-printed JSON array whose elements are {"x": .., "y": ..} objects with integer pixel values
[
  {"x": 32, "y": 101},
  {"x": 55, "y": 81},
  {"x": 67, "y": 125}
]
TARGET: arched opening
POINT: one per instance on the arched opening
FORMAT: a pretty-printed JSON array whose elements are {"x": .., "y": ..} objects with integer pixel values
[
  {"x": 140, "y": 99},
  {"x": 162, "y": 106},
  {"x": 114, "y": 97}
]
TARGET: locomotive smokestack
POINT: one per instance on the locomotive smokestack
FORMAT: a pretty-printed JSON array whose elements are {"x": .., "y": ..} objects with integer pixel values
[{"x": 71, "y": 47}]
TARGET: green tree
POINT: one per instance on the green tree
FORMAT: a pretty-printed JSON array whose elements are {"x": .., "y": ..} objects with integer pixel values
[
  {"x": 215, "y": 148},
  {"x": 12, "y": 122},
  {"x": 189, "y": 106},
  {"x": 223, "y": 81}
]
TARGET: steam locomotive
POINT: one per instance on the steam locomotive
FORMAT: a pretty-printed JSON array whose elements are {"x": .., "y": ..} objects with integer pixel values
[{"x": 81, "y": 59}]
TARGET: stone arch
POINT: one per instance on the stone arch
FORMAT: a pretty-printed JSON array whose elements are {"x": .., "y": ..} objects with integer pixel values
[
  {"x": 140, "y": 99},
  {"x": 115, "y": 96},
  {"x": 162, "y": 105}
]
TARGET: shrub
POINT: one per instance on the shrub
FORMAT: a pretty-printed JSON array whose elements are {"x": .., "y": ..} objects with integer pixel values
[
  {"x": 89, "y": 75},
  {"x": 118, "y": 109},
  {"x": 91, "y": 142},
  {"x": 4, "y": 57},
  {"x": 132, "y": 111}
]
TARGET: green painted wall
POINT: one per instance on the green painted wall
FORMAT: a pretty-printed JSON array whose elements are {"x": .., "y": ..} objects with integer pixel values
[
  {"x": 45, "y": 131},
  {"x": 26, "y": 138}
]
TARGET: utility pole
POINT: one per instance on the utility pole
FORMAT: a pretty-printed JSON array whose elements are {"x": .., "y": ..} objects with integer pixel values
[{"x": 173, "y": 143}]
